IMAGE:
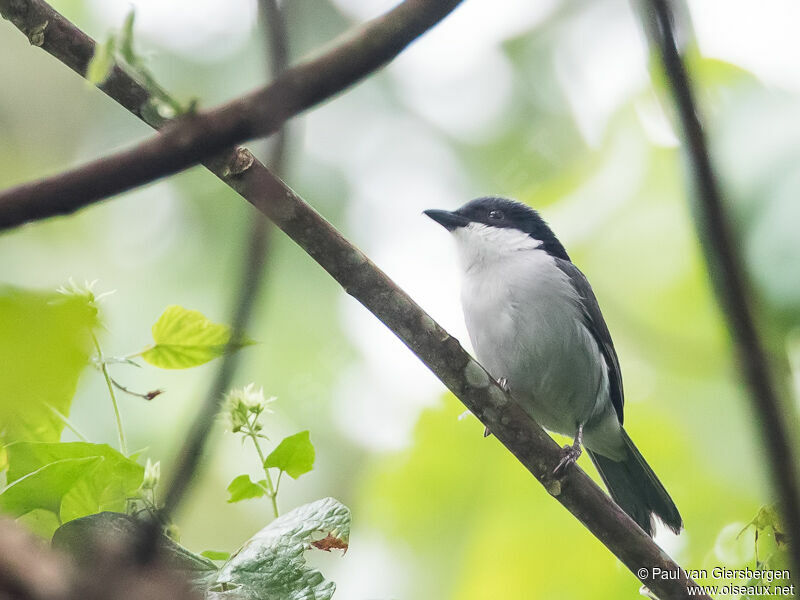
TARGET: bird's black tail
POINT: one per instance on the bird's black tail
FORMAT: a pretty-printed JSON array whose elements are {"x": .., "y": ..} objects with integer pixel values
[{"x": 633, "y": 485}]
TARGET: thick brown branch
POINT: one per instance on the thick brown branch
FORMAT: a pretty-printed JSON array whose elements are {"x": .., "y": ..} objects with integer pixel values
[
  {"x": 440, "y": 352},
  {"x": 31, "y": 571},
  {"x": 730, "y": 282},
  {"x": 192, "y": 138}
]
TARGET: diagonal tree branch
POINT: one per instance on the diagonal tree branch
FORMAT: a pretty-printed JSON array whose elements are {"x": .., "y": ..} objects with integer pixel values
[
  {"x": 729, "y": 279},
  {"x": 425, "y": 338},
  {"x": 194, "y": 137}
]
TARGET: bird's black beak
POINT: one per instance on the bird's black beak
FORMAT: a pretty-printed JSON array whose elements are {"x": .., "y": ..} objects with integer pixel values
[{"x": 448, "y": 220}]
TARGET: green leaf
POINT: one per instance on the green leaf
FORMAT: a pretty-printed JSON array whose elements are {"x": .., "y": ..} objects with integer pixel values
[
  {"x": 766, "y": 518},
  {"x": 295, "y": 455},
  {"x": 271, "y": 563},
  {"x": 243, "y": 488},
  {"x": 216, "y": 554},
  {"x": 108, "y": 487},
  {"x": 45, "y": 487},
  {"x": 102, "y": 62},
  {"x": 126, "y": 40},
  {"x": 45, "y": 341},
  {"x": 41, "y": 522},
  {"x": 185, "y": 338}
]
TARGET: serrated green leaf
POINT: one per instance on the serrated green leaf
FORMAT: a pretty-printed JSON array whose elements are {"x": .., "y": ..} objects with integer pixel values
[
  {"x": 216, "y": 554},
  {"x": 295, "y": 455},
  {"x": 271, "y": 563},
  {"x": 243, "y": 488},
  {"x": 106, "y": 488},
  {"x": 186, "y": 338},
  {"x": 46, "y": 487},
  {"x": 45, "y": 341},
  {"x": 102, "y": 62}
]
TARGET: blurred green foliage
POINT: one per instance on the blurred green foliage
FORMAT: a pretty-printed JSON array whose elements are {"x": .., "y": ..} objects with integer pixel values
[
  {"x": 44, "y": 345},
  {"x": 72, "y": 491},
  {"x": 502, "y": 533}
]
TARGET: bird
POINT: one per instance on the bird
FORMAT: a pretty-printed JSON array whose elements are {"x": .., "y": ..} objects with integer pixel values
[{"x": 536, "y": 326}]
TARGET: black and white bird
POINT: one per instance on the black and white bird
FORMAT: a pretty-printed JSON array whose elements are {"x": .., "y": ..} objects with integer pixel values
[{"x": 536, "y": 326}]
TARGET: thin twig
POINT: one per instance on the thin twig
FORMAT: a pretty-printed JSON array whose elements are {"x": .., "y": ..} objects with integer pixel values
[
  {"x": 69, "y": 425},
  {"x": 251, "y": 282},
  {"x": 123, "y": 446},
  {"x": 729, "y": 279},
  {"x": 434, "y": 346},
  {"x": 144, "y": 396},
  {"x": 194, "y": 137}
]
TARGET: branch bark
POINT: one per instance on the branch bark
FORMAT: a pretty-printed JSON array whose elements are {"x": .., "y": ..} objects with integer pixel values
[
  {"x": 192, "y": 138},
  {"x": 729, "y": 279},
  {"x": 425, "y": 338}
]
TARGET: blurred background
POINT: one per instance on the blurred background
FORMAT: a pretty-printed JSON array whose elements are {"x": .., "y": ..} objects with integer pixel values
[{"x": 549, "y": 102}]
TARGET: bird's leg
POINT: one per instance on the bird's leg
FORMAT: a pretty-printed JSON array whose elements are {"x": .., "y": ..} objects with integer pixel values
[
  {"x": 569, "y": 454},
  {"x": 503, "y": 383}
]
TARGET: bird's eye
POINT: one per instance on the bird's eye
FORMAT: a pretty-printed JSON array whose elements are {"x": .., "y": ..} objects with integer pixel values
[{"x": 496, "y": 215}]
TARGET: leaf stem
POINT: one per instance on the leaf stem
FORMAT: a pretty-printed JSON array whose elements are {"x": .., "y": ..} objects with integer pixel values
[
  {"x": 272, "y": 491},
  {"x": 68, "y": 423},
  {"x": 123, "y": 447}
]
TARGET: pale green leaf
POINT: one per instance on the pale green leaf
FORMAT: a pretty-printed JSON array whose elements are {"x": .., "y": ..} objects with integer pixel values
[
  {"x": 295, "y": 455},
  {"x": 243, "y": 488},
  {"x": 107, "y": 488},
  {"x": 186, "y": 338},
  {"x": 45, "y": 341},
  {"x": 766, "y": 518},
  {"x": 45, "y": 487},
  {"x": 216, "y": 554},
  {"x": 102, "y": 62},
  {"x": 126, "y": 40},
  {"x": 271, "y": 563},
  {"x": 41, "y": 522}
]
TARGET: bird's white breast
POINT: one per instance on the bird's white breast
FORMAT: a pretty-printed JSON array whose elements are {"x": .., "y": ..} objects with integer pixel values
[{"x": 525, "y": 323}]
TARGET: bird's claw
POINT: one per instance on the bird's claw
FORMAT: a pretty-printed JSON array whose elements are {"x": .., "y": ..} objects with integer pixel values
[{"x": 569, "y": 454}]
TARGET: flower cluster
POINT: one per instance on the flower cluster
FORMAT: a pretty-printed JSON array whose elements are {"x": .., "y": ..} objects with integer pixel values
[{"x": 244, "y": 406}]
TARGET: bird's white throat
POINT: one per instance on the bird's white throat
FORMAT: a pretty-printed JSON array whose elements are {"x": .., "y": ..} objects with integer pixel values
[{"x": 482, "y": 245}]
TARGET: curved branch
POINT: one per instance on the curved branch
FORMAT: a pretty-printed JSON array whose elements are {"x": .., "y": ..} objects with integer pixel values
[
  {"x": 729, "y": 279},
  {"x": 192, "y": 138},
  {"x": 427, "y": 340}
]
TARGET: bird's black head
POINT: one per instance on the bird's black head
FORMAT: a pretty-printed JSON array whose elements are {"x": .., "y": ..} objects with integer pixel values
[{"x": 502, "y": 213}]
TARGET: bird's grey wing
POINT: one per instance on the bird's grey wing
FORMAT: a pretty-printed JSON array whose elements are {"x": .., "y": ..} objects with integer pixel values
[{"x": 596, "y": 324}]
